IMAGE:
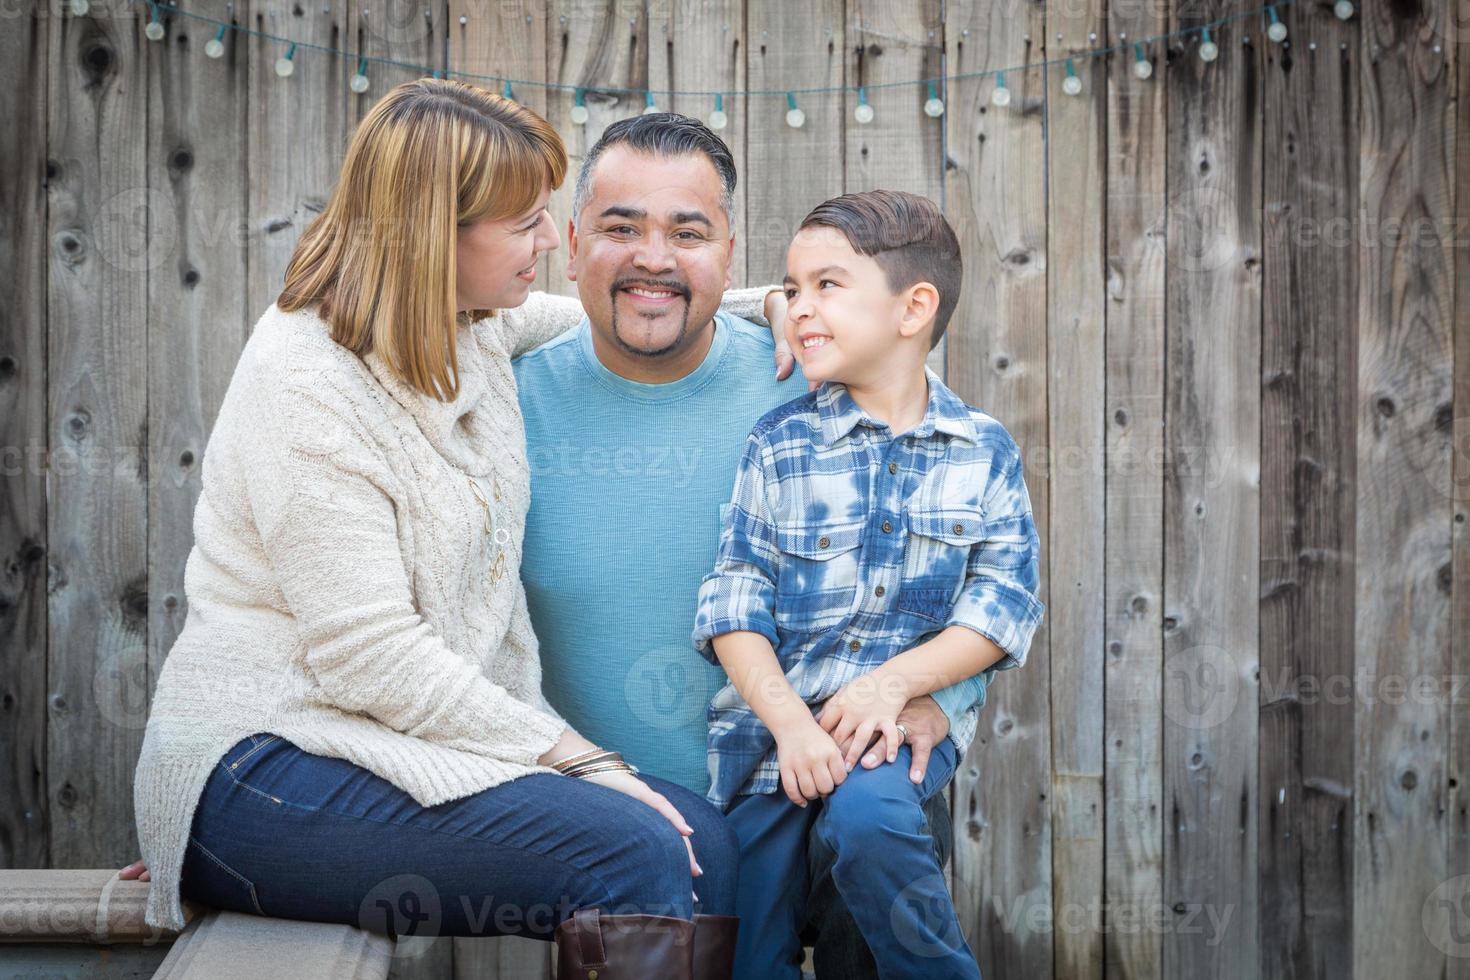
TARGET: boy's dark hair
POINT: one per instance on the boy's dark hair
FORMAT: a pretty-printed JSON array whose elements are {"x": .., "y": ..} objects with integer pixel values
[
  {"x": 906, "y": 235},
  {"x": 665, "y": 134}
]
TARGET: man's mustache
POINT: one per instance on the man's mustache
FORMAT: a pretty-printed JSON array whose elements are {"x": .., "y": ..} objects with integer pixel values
[{"x": 672, "y": 285}]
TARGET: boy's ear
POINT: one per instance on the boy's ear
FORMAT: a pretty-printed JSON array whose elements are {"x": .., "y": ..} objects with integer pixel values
[
  {"x": 921, "y": 304},
  {"x": 572, "y": 251}
]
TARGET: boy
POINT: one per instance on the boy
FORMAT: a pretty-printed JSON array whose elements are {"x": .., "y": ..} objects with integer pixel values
[{"x": 879, "y": 546}]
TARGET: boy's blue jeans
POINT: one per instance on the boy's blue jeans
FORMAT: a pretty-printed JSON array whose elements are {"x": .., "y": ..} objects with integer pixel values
[
  {"x": 885, "y": 870},
  {"x": 281, "y": 832}
]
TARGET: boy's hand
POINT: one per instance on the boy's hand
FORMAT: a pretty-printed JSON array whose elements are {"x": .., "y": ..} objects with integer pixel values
[
  {"x": 927, "y": 726},
  {"x": 811, "y": 764},
  {"x": 866, "y": 706}
]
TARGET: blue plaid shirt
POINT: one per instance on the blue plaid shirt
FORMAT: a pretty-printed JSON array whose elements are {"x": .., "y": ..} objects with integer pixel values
[{"x": 844, "y": 547}]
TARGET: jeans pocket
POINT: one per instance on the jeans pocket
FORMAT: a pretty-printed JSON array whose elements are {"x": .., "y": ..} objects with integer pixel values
[
  {"x": 248, "y": 746},
  {"x": 207, "y": 879}
]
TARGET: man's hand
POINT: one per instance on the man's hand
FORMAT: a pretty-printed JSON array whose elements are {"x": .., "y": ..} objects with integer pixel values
[
  {"x": 775, "y": 310},
  {"x": 926, "y": 724}
]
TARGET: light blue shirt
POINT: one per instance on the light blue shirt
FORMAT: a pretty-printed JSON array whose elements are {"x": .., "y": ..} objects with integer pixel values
[{"x": 628, "y": 481}]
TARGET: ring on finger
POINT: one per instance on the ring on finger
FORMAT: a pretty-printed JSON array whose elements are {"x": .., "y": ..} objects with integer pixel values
[{"x": 903, "y": 730}]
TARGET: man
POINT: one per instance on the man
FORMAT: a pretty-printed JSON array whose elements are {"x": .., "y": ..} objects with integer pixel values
[{"x": 634, "y": 424}]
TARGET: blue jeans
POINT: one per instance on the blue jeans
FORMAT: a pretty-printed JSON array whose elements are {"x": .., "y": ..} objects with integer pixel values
[
  {"x": 839, "y": 951},
  {"x": 885, "y": 870},
  {"x": 284, "y": 833}
]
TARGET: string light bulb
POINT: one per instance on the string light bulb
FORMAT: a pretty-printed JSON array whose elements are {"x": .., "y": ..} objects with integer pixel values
[
  {"x": 1343, "y": 9},
  {"x": 1002, "y": 95},
  {"x": 649, "y": 107},
  {"x": 154, "y": 30},
  {"x": 1208, "y": 49},
  {"x": 1072, "y": 85},
  {"x": 1142, "y": 68},
  {"x": 795, "y": 118},
  {"x": 717, "y": 118},
  {"x": 864, "y": 112},
  {"x": 1277, "y": 30},
  {"x": 358, "y": 83},
  {"x": 934, "y": 105},
  {"x": 579, "y": 114},
  {"x": 215, "y": 46},
  {"x": 286, "y": 63}
]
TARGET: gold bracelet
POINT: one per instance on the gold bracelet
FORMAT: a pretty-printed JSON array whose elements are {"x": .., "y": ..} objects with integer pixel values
[
  {"x": 575, "y": 758},
  {"x": 594, "y": 759},
  {"x": 611, "y": 759},
  {"x": 582, "y": 773}
]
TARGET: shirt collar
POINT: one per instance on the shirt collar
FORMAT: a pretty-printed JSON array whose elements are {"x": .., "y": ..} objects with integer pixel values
[{"x": 945, "y": 413}]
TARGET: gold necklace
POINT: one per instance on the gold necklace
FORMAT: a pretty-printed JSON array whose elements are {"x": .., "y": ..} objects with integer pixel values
[{"x": 498, "y": 569}]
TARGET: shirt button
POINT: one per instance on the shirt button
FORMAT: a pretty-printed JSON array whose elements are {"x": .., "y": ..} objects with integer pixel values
[
  {"x": 887, "y": 526},
  {"x": 879, "y": 591},
  {"x": 959, "y": 529},
  {"x": 893, "y": 467},
  {"x": 822, "y": 542},
  {"x": 855, "y": 645}
]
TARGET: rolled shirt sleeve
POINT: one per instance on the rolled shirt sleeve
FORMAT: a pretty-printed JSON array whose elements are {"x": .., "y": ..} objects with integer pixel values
[
  {"x": 740, "y": 593},
  {"x": 999, "y": 598},
  {"x": 961, "y": 696}
]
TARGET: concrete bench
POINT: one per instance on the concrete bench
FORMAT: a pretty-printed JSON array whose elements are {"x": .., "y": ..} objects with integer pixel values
[{"x": 90, "y": 924}]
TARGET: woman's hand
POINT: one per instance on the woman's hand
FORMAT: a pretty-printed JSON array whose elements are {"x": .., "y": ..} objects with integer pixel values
[
  {"x": 811, "y": 764},
  {"x": 137, "y": 871},
  {"x": 867, "y": 705},
  {"x": 626, "y": 782}
]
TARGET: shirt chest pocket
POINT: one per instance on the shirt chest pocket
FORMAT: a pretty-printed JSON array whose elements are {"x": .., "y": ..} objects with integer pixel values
[
  {"x": 817, "y": 582},
  {"x": 936, "y": 557}
]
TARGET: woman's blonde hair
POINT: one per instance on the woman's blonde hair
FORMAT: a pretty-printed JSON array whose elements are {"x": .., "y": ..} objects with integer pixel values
[{"x": 431, "y": 156}]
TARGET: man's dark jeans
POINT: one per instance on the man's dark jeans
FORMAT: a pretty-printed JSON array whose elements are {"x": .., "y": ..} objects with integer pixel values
[{"x": 839, "y": 951}]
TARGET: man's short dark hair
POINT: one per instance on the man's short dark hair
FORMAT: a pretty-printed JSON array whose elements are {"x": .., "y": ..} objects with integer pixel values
[
  {"x": 665, "y": 134},
  {"x": 907, "y": 236}
]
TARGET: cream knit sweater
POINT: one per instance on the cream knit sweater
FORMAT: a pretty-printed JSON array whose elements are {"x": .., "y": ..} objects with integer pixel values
[{"x": 354, "y": 585}]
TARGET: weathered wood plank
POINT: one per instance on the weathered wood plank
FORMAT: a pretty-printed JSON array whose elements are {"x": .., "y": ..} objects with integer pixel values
[
  {"x": 1134, "y": 546},
  {"x": 591, "y": 43},
  {"x": 505, "y": 41},
  {"x": 25, "y": 812},
  {"x": 196, "y": 295},
  {"x": 902, "y": 148},
  {"x": 698, "y": 46},
  {"x": 1404, "y": 472},
  {"x": 793, "y": 169},
  {"x": 1211, "y": 501},
  {"x": 1076, "y": 169},
  {"x": 995, "y": 197},
  {"x": 1458, "y": 688},
  {"x": 297, "y": 132},
  {"x": 1308, "y": 383},
  {"x": 99, "y": 212}
]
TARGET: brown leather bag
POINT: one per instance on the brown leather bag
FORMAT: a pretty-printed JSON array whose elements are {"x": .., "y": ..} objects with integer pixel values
[{"x": 593, "y": 946}]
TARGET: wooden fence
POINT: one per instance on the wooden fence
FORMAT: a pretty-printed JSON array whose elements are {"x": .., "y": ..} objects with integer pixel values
[{"x": 1225, "y": 310}]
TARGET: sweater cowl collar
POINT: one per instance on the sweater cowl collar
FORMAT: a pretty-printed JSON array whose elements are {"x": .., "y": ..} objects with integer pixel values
[{"x": 459, "y": 430}]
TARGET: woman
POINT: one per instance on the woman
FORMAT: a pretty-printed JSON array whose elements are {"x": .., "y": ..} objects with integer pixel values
[{"x": 350, "y": 726}]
